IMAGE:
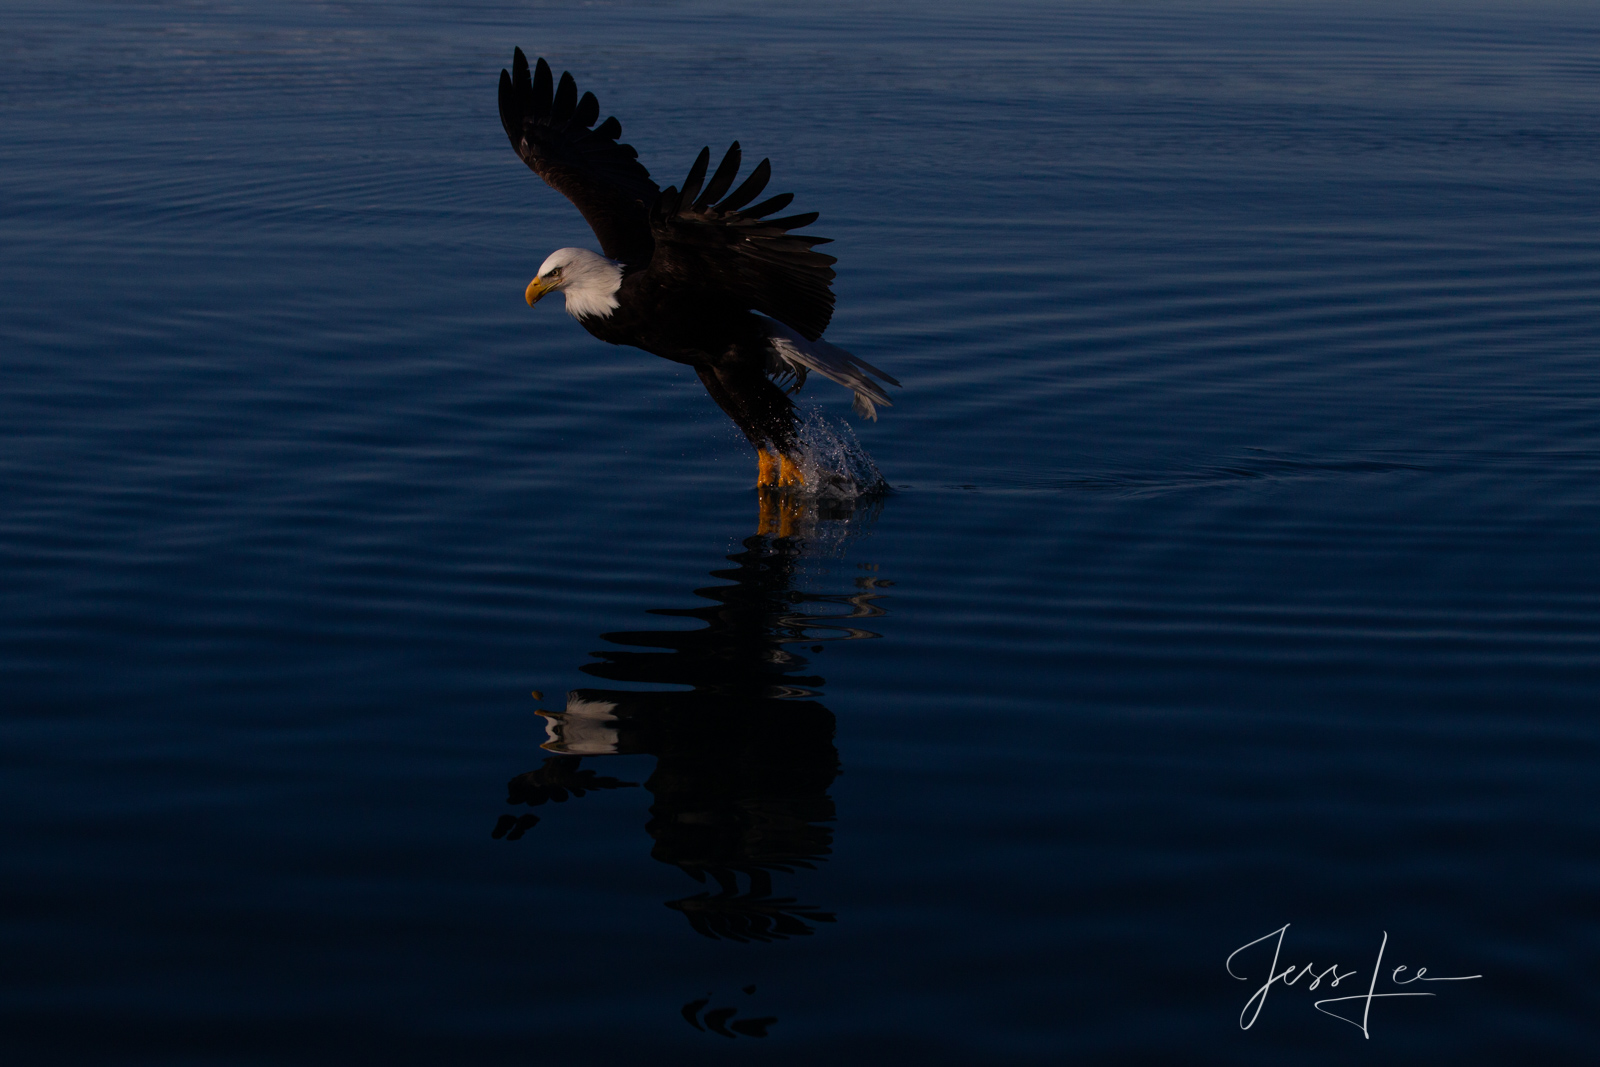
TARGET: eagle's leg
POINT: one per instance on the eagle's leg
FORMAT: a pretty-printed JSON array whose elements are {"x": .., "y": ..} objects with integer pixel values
[
  {"x": 763, "y": 412},
  {"x": 789, "y": 473}
]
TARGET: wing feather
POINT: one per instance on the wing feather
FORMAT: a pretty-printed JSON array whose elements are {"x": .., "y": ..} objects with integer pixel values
[
  {"x": 543, "y": 85},
  {"x": 795, "y": 222},
  {"x": 748, "y": 189},
  {"x": 589, "y": 110},
  {"x": 566, "y": 101},
  {"x": 768, "y": 206},
  {"x": 733, "y": 254},
  {"x": 550, "y": 127},
  {"x": 697, "y": 174},
  {"x": 727, "y": 170}
]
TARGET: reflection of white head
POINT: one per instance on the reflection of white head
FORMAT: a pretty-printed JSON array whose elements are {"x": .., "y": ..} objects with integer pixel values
[
  {"x": 589, "y": 280},
  {"x": 580, "y": 730}
]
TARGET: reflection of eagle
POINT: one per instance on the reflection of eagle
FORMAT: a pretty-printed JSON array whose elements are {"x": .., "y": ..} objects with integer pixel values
[
  {"x": 699, "y": 276},
  {"x": 745, "y": 756}
]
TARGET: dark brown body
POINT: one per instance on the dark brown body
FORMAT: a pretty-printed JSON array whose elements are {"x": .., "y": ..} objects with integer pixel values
[{"x": 726, "y": 345}]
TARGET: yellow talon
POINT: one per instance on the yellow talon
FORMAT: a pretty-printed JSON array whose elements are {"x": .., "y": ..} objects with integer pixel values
[
  {"x": 789, "y": 472},
  {"x": 782, "y": 512}
]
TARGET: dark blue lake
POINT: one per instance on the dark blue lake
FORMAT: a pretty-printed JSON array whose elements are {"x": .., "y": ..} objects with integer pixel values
[{"x": 1240, "y": 568}]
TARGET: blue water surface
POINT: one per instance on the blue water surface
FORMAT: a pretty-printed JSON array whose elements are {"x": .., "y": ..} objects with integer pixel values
[{"x": 1240, "y": 569}]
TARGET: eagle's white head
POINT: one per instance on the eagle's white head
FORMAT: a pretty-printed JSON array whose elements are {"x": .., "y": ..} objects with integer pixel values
[{"x": 589, "y": 280}]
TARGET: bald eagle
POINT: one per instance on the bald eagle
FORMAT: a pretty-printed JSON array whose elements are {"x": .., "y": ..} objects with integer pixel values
[{"x": 693, "y": 275}]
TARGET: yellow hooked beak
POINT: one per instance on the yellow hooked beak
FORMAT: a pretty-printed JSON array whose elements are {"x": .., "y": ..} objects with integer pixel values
[{"x": 537, "y": 288}]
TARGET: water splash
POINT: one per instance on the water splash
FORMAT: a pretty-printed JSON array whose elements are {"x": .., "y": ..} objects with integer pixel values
[{"x": 836, "y": 468}]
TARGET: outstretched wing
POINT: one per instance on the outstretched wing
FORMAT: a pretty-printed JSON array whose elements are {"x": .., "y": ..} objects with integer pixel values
[
  {"x": 708, "y": 240},
  {"x": 553, "y": 130}
]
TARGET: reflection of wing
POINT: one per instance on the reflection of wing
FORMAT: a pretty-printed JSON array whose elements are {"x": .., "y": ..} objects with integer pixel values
[
  {"x": 551, "y": 130},
  {"x": 744, "y": 751},
  {"x": 707, "y": 240},
  {"x": 799, "y": 628},
  {"x": 556, "y": 780},
  {"x": 747, "y": 918},
  {"x": 717, "y": 1019}
]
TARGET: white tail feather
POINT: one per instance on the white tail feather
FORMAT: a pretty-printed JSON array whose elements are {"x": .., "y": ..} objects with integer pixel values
[{"x": 797, "y": 355}]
